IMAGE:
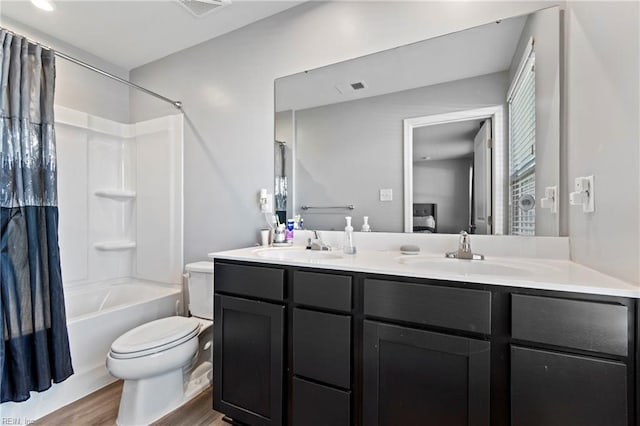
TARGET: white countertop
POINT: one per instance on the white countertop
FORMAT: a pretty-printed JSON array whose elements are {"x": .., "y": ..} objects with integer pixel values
[{"x": 536, "y": 273}]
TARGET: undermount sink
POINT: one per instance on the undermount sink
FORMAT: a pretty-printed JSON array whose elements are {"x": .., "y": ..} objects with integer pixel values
[
  {"x": 501, "y": 267},
  {"x": 296, "y": 254}
]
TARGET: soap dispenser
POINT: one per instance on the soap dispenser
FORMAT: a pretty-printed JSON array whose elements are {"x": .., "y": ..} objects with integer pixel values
[
  {"x": 349, "y": 246},
  {"x": 365, "y": 225}
]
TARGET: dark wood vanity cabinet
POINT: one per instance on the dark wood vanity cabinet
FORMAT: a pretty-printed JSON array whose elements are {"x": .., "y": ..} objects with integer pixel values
[
  {"x": 572, "y": 361},
  {"x": 248, "y": 343},
  {"x": 322, "y": 343},
  {"x": 305, "y": 347},
  {"x": 557, "y": 389},
  {"x": 416, "y": 376},
  {"x": 420, "y": 378}
]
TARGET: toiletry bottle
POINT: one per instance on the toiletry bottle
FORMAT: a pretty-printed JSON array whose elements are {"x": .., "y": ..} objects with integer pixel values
[
  {"x": 289, "y": 233},
  {"x": 365, "y": 225},
  {"x": 349, "y": 246}
]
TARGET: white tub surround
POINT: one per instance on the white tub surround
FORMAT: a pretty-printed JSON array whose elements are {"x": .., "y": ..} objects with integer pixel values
[
  {"x": 120, "y": 193},
  {"x": 536, "y": 262}
]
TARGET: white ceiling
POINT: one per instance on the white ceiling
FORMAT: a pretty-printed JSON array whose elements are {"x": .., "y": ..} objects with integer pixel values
[
  {"x": 444, "y": 141},
  {"x": 478, "y": 51},
  {"x": 132, "y": 33}
]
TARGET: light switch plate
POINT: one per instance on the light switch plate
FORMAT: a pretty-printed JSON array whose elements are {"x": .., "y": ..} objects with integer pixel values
[
  {"x": 589, "y": 206},
  {"x": 386, "y": 195},
  {"x": 584, "y": 194}
]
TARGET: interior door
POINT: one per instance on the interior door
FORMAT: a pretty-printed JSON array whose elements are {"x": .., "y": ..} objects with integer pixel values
[{"x": 481, "y": 210}]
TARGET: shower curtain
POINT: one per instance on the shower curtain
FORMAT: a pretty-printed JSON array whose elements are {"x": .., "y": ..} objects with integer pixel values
[{"x": 35, "y": 348}]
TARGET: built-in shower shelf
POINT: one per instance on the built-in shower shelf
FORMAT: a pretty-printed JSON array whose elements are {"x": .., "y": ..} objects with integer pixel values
[
  {"x": 116, "y": 194},
  {"x": 115, "y": 245}
]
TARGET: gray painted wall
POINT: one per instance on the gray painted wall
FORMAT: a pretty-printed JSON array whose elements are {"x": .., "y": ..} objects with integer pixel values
[
  {"x": 446, "y": 183},
  {"x": 602, "y": 84},
  {"x": 78, "y": 87},
  {"x": 339, "y": 161},
  {"x": 544, "y": 27},
  {"x": 226, "y": 85}
]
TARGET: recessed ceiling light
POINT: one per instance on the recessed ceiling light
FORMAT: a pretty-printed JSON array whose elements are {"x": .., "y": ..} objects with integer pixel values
[
  {"x": 200, "y": 8},
  {"x": 44, "y": 5}
]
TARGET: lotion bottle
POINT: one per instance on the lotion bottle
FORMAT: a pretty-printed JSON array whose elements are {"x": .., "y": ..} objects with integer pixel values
[
  {"x": 349, "y": 246},
  {"x": 365, "y": 225}
]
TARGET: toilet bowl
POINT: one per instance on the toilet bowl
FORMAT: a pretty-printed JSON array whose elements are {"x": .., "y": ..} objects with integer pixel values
[
  {"x": 150, "y": 359},
  {"x": 166, "y": 362}
]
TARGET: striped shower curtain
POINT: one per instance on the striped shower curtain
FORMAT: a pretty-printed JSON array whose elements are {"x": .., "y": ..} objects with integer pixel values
[{"x": 35, "y": 349}]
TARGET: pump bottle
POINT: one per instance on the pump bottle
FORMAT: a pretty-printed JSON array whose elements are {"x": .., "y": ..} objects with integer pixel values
[
  {"x": 349, "y": 246},
  {"x": 365, "y": 225}
]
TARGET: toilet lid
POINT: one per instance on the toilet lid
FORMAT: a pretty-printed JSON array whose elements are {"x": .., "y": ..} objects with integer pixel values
[{"x": 155, "y": 336}]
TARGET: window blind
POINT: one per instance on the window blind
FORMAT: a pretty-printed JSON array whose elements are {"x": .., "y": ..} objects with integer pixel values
[{"x": 522, "y": 145}]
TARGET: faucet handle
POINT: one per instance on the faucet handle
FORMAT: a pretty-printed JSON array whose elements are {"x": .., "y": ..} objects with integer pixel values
[{"x": 465, "y": 241}]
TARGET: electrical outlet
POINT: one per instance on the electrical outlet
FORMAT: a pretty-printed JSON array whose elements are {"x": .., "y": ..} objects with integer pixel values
[
  {"x": 268, "y": 206},
  {"x": 266, "y": 201},
  {"x": 386, "y": 195}
]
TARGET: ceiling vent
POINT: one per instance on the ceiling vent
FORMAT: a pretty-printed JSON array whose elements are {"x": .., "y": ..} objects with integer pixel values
[
  {"x": 200, "y": 8},
  {"x": 350, "y": 87}
]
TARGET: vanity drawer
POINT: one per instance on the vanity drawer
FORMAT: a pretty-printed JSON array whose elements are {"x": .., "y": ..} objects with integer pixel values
[
  {"x": 578, "y": 324},
  {"x": 254, "y": 281},
  {"x": 322, "y": 290},
  {"x": 317, "y": 405},
  {"x": 457, "y": 308},
  {"x": 322, "y": 347}
]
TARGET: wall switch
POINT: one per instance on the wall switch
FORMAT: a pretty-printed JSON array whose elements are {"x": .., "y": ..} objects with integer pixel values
[
  {"x": 584, "y": 194},
  {"x": 386, "y": 195},
  {"x": 550, "y": 199}
]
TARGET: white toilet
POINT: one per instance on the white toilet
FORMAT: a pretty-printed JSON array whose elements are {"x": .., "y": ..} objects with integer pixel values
[{"x": 166, "y": 362}]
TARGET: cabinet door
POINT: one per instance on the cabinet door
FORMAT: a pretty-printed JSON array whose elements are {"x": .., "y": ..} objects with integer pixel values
[
  {"x": 416, "y": 377},
  {"x": 322, "y": 347},
  {"x": 248, "y": 360},
  {"x": 558, "y": 389},
  {"x": 318, "y": 405}
]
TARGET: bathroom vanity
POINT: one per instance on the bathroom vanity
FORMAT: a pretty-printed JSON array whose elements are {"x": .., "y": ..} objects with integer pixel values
[{"x": 385, "y": 339}]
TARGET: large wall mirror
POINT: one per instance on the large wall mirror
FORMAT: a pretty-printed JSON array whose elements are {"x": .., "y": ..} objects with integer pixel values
[{"x": 458, "y": 132}]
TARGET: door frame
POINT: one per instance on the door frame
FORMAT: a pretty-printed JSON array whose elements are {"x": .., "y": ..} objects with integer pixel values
[{"x": 498, "y": 156}]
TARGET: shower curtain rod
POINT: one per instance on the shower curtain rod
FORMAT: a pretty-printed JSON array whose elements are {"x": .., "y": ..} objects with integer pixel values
[
  {"x": 176, "y": 104},
  {"x": 76, "y": 61}
]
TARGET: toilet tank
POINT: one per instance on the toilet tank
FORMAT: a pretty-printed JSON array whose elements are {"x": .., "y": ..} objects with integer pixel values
[{"x": 200, "y": 288}]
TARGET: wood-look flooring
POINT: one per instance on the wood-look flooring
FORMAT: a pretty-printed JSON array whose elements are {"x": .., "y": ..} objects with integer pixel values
[{"x": 101, "y": 409}]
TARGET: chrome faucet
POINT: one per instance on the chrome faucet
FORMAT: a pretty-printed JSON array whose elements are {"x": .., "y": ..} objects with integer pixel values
[
  {"x": 316, "y": 243},
  {"x": 464, "y": 249}
]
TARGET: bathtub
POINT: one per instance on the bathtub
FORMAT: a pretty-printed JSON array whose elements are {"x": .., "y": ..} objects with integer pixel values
[{"x": 97, "y": 314}]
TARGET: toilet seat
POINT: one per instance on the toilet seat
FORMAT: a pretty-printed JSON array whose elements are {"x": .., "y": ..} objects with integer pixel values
[{"x": 155, "y": 336}]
